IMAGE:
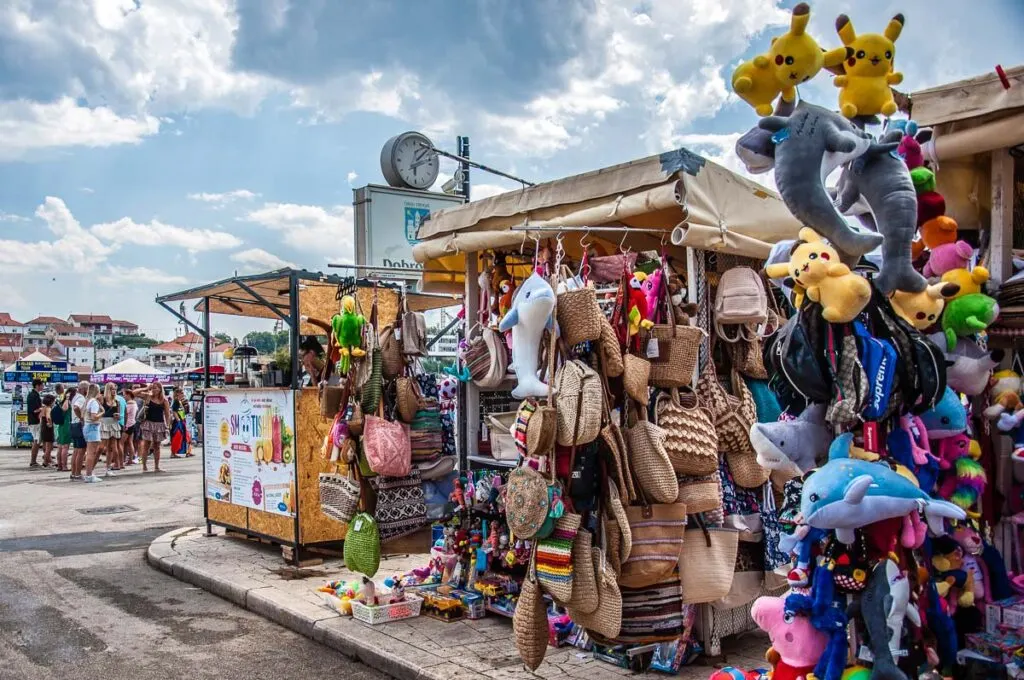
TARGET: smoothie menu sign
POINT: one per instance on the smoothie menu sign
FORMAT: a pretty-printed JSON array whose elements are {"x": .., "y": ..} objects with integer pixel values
[{"x": 249, "y": 449}]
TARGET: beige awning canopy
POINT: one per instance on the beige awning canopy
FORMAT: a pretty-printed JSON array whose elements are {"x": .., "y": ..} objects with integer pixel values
[{"x": 714, "y": 209}]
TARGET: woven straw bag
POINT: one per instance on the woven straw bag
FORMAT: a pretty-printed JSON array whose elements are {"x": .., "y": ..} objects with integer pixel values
[
  {"x": 339, "y": 495},
  {"x": 617, "y": 531},
  {"x": 584, "y": 598},
  {"x": 610, "y": 350},
  {"x": 701, "y": 494},
  {"x": 554, "y": 558},
  {"x": 706, "y": 563},
  {"x": 392, "y": 359},
  {"x": 733, "y": 417},
  {"x": 574, "y": 416},
  {"x": 606, "y": 620},
  {"x": 530, "y": 622},
  {"x": 408, "y": 398},
  {"x": 673, "y": 350},
  {"x": 636, "y": 373},
  {"x": 526, "y": 501},
  {"x": 690, "y": 437},
  {"x": 534, "y": 428},
  {"x": 579, "y": 316},
  {"x": 649, "y": 462}
]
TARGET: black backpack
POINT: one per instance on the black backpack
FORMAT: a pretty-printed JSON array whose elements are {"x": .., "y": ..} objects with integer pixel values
[{"x": 57, "y": 414}]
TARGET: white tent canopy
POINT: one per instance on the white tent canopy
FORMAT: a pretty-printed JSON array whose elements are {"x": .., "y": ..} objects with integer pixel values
[{"x": 129, "y": 370}]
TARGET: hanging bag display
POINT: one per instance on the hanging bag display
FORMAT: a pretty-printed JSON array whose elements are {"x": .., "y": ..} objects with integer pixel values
[
  {"x": 691, "y": 440},
  {"x": 701, "y": 494},
  {"x": 585, "y": 598},
  {"x": 606, "y": 620},
  {"x": 530, "y": 621},
  {"x": 408, "y": 398},
  {"x": 649, "y": 462},
  {"x": 339, "y": 495},
  {"x": 554, "y": 558},
  {"x": 414, "y": 331},
  {"x": 362, "y": 545},
  {"x": 636, "y": 373},
  {"x": 672, "y": 348},
  {"x": 374, "y": 385},
  {"x": 573, "y": 379},
  {"x": 579, "y": 316},
  {"x": 526, "y": 501},
  {"x": 401, "y": 506},
  {"x": 387, "y": 446},
  {"x": 733, "y": 415},
  {"x": 392, "y": 359},
  {"x": 706, "y": 563},
  {"x": 740, "y": 301}
]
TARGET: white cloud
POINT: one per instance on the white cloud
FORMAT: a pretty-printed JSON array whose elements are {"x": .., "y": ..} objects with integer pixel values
[
  {"x": 312, "y": 229},
  {"x": 86, "y": 190},
  {"x": 116, "y": 276},
  {"x": 11, "y": 217},
  {"x": 352, "y": 176},
  {"x": 74, "y": 250},
  {"x": 156, "y": 233},
  {"x": 219, "y": 201},
  {"x": 12, "y": 297},
  {"x": 256, "y": 260},
  {"x": 27, "y": 126}
]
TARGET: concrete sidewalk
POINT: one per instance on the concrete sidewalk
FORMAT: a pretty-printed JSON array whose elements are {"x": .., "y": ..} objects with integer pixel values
[{"x": 253, "y": 576}]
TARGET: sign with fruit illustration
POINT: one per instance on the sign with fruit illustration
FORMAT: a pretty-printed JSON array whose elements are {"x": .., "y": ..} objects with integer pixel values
[{"x": 249, "y": 452}]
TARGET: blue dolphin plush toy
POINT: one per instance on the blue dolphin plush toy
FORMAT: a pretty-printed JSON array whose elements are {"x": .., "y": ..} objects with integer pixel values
[{"x": 847, "y": 494}]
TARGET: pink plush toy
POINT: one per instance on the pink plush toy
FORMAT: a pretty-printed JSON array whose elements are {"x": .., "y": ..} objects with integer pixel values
[
  {"x": 970, "y": 541},
  {"x": 947, "y": 257},
  {"x": 651, "y": 287},
  {"x": 798, "y": 644}
]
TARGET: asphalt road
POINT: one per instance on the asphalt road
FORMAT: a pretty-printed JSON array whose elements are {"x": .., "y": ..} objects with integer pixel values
[{"x": 79, "y": 602}]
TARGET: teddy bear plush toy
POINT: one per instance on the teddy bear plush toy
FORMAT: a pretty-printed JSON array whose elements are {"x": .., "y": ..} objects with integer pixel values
[{"x": 815, "y": 267}]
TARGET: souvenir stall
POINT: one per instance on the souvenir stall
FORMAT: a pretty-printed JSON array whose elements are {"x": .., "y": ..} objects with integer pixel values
[
  {"x": 268, "y": 464},
  {"x": 658, "y": 431}
]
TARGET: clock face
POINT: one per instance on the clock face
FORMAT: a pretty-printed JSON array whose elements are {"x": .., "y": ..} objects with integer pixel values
[{"x": 413, "y": 162}]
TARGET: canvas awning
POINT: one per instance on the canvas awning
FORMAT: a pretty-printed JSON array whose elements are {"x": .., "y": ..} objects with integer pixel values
[{"x": 715, "y": 209}]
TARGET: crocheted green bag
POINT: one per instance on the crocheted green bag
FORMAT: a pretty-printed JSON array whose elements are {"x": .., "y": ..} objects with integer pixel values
[{"x": 362, "y": 545}]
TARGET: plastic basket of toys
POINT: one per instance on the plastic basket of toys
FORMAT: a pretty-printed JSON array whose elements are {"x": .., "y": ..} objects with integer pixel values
[{"x": 409, "y": 607}]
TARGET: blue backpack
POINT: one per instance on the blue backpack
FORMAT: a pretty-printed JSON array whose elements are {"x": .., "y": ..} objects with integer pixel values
[{"x": 879, "y": 359}]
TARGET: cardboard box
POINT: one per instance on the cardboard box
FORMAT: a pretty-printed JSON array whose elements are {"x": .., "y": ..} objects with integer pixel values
[
  {"x": 1000, "y": 648},
  {"x": 1005, "y": 616}
]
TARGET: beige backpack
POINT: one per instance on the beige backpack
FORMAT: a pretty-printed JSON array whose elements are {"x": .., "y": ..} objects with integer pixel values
[{"x": 740, "y": 301}]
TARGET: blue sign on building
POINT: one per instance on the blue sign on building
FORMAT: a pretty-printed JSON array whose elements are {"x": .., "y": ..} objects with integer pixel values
[
  {"x": 413, "y": 218},
  {"x": 45, "y": 366},
  {"x": 45, "y": 376}
]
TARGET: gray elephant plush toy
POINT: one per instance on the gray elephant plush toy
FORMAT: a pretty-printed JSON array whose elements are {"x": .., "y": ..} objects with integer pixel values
[
  {"x": 881, "y": 177},
  {"x": 809, "y": 145}
]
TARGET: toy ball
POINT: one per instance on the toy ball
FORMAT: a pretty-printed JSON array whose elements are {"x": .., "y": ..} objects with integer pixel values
[
  {"x": 728, "y": 673},
  {"x": 857, "y": 673},
  {"x": 389, "y": 582}
]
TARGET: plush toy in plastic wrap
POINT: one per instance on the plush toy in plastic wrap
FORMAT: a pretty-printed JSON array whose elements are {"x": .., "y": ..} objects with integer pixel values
[
  {"x": 530, "y": 314},
  {"x": 815, "y": 267},
  {"x": 881, "y": 177},
  {"x": 866, "y": 87},
  {"x": 809, "y": 145},
  {"x": 846, "y": 494},
  {"x": 922, "y": 310}
]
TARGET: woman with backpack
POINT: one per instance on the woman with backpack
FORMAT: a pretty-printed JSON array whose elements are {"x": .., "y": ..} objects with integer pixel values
[{"x": 60, "y": 414}]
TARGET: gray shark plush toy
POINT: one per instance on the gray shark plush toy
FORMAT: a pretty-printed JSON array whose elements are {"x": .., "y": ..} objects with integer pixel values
[
  {"x": 809, "y": 145},
  {"x": 882, "y": 178},
  {"x": 968, "y": 366},
  {"x": 792, "y": 445}
]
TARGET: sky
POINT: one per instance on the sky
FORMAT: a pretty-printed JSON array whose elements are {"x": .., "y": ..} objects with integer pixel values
[{"x": 147, "y": 146}]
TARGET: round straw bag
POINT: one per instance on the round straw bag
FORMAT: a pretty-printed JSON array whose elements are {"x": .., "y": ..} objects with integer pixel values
[
  {"x": 690, "y": 437},
  {"x": 606, "y": 620},
  {"x": 579, "y": 316},
  {"x": 701, "y": 494},
  {"x": 584, "y": 588},
  {"x": 530, "y": 622},
  {"x": 579, "y": 421}
]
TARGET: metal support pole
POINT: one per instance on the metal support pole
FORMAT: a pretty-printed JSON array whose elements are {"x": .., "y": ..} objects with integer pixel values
[
  {"x": 462, "y": 144},
  {"x": 181, "y": 318},
  {"x": 206, "y": 344},
  {"x": 293, "y": 308},
  {"x": 266, "y": 303}
]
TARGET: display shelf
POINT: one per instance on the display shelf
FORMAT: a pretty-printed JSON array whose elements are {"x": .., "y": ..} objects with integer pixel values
[{"x": 492, "y": 462}]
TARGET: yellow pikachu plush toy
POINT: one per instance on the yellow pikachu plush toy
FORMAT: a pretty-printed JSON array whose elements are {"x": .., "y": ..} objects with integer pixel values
[
  {"x": 865, "y": 89},
  {"x": 922, "y": 310},
  {"x": 969, "y": 280},
  {"x": 796, "y": 57},
  {"x": 754, "y": 81},
  {"x": 815, "y": 267}
]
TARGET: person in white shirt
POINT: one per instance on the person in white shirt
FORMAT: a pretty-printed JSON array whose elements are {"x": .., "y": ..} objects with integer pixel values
[
  {"x": 91, "y": 430},
  {"x": 77, "y": 434}
]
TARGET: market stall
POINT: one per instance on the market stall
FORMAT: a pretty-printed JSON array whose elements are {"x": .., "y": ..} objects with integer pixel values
[{"x": 263, "y": 446}]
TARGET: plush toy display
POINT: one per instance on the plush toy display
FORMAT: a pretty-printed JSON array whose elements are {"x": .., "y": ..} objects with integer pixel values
[
  {"x": 947, "y": 418},
  {"x": 530, "y": 314},
  {"x": 793, "y": 445},
  {"x": 847, "y": 494},
  {"x": 935, "y": 232},
  {"x": 348, "y": 333},
  {"x": 865, "y": 89},
  {"x": 882, "y": 178},
  {"x": 798, "y": 644},
  {"x": 930, "y": 203},
  {"x": 953, "y": 583},
  {"x": 638, "y": 314},
  {"x": 968, "y": 315},
  {"x": 968, "y": 367},
  {"x": 879, "y": 607},
  {"x": 964, "y": 479},
  {"x": 754, "y": 81},
  {"x": 809, "y": 145},
  {"x": 947, "y": 257},
  {"x": 815, "y": 267},
  {"x": 651, "y": 286},
  {"x": 922, "y": 310},
  {"x": 973, "y": 548},
  {"x": 796, "y": 57},
  {"x": 969, "y": 280},
  {"x": 910, "y": 145},
  {"x": 505, "y": 292},
  {"x": 1006, "y": 388}
]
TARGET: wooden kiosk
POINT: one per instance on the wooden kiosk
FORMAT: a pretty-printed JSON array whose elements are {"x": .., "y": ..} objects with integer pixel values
[{"x": 261, "y": 454}]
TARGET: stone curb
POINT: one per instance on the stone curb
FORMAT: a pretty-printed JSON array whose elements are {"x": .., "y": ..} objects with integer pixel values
[{"x": 398, "y": 660}]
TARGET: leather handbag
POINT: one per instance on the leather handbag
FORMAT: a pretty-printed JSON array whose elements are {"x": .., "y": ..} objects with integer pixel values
[{"x": 387, "y": 447}]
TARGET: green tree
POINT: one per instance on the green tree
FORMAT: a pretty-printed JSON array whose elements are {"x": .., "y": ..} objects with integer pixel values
[
  {"x": 131, "y": 341},
  {"x": 222, "y": 338},
  {"x": 266, "y": 342}
]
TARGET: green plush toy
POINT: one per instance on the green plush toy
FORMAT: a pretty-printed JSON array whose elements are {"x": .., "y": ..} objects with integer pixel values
[
  {"x": 968, "y": 315},
  {"x": 348, "y": 331}
]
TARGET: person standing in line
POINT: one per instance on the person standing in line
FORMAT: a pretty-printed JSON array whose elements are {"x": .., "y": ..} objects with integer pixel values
[
  {"x": 131, "y": 410},
  {"x": 180, "y": 435},
  {"x": 61, "y": 417},
  {"x": 34, "y": 404},
  {"x": 110, "y": 431},
  {"x": 141, "y": 395},
  {"x": 156, "y": 422},
  {"x": 92, "y": 433},
  {"x": 122, "y": 412},
  {"x": 78, "y": 404},
  {"x": 47, "y": 435}
]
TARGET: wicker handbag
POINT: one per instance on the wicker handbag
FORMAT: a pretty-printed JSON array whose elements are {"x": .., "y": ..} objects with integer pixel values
[
  {"x": 673, "y": 349},
  {"x": 701, "y": 494},
  {"x": 530, "y": 622},
  {"x": 408, "y": 397},
  {"x": 554, "y": 558},
  {"x": 575, "y": 378},
  {"x": 706, "y": 563},
  {"x": 392, "y": 359},
  {"x": 636, "y": 373},
  {"x": 619, "y": 538},
  {"x": 579, "y": 316},
  {"x": 534, "y": 428},
  {"x": 610, "y": 351},
  {"x": 690, "y": 437},
  {"x": 649, "y": 462},
  {"x": 606, "y": 620},
  {"x": 339, "y": 495},
  {"x": 584, "y": 598},
  {"x": 733, "y": 417},
  {"x": 657, "y": 533}
]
